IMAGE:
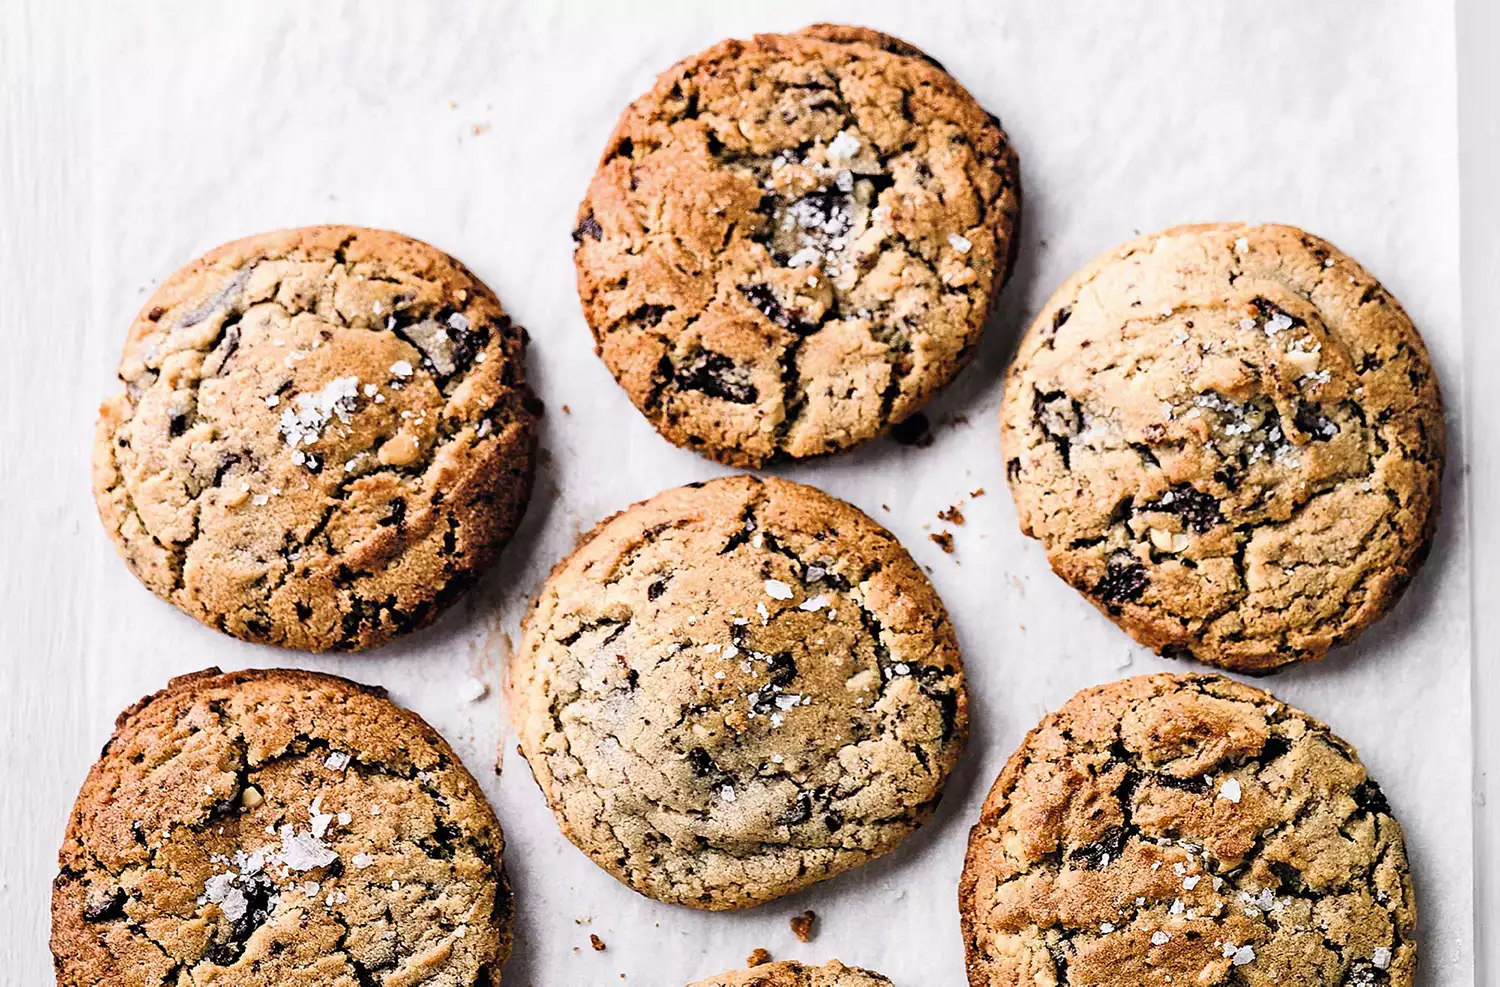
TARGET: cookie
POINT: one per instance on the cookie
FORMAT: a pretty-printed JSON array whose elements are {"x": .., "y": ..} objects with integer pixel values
[
  {"x": 324, "y": 435},
  {"x": 1230, "y": 439},
  {"x": 278, "y": 828},
  {"x": 736, "y": 689},
  {"x": 792, "y": 974},
  {"x": 792, "y": 242},
  {"x": 1175, "y": 829}
]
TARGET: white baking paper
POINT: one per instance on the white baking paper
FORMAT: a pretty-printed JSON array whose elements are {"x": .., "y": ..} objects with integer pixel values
[{"x": 476, "y": 127}]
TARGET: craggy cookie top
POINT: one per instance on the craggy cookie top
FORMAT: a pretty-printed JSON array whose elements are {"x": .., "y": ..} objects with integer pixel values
[
  {"x": 736, "y": 689},
  {"x": 1174, "y": 830},
  {"x": 324, "y": 433},
  {"x": 1230, "y": 438},
  {"x": 793, "y": 241},
  {"x": 278, "y": 828},
  {"x": 792, "y": 974}
]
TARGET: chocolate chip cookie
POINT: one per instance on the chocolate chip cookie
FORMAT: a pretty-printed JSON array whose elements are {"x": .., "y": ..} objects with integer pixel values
[
  {"x": 1172, "y": 830},
  {"x": 278, "y": 828},
  {"x": 1230, "y": 438},
  {"x": 736, "y": 689},
  {"x": 325, "y": 434},
  {"x": 791, "y": 974},
  {"x": 793, "y": 241}
]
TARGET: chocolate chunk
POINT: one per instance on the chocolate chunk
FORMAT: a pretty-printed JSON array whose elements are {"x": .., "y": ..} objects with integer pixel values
[
  {"x": 1124, "y": 580},
  {"x": 1313, "y": 423},
  {"x": 104, "y": 907},
  {"x": 800, "y": 812},
  {"x": 1060, "y": 418},
  {"x": 1198, "y": 510},
  {"x": 588, "y": 228},
  {"x": 782, "y": 669},
  {"x": 702, "y": 763},
  {"x": 443, "y": 841},
  {"x": 763, "y": 297},
  {"x": 1198, "y": 785},
  {"x": 395, "y": 513},
  {"x": 1269, "y": 310},
  {"x": 258, "y": 894},
  {"x": 1370, "y": 798},
  {"x": 1098, "y": 854},
  {"x": 719, "y": 377},
  {"x": 1275, "y": 746}
]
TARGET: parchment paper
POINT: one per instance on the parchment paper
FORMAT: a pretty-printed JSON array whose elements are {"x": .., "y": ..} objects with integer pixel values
[{"x": 476, "y": 127}]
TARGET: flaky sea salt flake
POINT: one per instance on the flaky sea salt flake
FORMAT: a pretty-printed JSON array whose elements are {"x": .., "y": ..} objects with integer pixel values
[{"x": 778, "y": 590}]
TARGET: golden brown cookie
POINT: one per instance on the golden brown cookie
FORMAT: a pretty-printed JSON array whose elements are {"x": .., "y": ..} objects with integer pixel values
[
  {"x": 793, "y": 241},
  {"x": 1230, "y": 438},
  {"x": 325, "y": 434},
  {"x": 792, "y": 974},
  {"x": 1175, "y": 829},
  {"x": 736, "y": 689},
  {"x": 278, "y": 829}
]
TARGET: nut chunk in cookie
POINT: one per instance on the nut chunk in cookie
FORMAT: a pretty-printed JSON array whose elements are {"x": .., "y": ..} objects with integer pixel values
[
  {"x": 325, "y": 434},
  {"x": 792, "y": 242},
  {"x": 273, "y": 829},
  {"x": 736, "y": 689},
  {"x": 1230, "y": 438},
  {"x": 1173, "y": 829},
  {"x": 793, "y": 974}
]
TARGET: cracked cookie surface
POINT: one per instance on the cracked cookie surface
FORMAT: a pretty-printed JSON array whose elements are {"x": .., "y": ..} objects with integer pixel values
[
  {"x": 736, "y": 689},
  {"x": 278, "y": 829},
  {"x": 1174, "y": 829},
  {"x": 1230, "y": 438},
  {"x": 793, "y": 974},
  {"x": 793, "y": 241},
  {"x": 325, "y": 433}
]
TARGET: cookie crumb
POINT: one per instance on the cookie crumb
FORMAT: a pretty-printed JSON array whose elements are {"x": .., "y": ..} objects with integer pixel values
[
  {"x": 977, "y": 492},
  {"x": 952, "y": 515},
  {"x": 597, "y": 943},
  {"x": 479, "y": 128},
  {"x": 759, "y": 957},
  {"x": 802, "y": 925},
  {"x": 914, "y": 431},
  {"x": 944, "y": 540}
]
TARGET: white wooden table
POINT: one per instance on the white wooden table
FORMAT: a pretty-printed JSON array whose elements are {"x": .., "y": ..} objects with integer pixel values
[{"x": 132, "y": 136}]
